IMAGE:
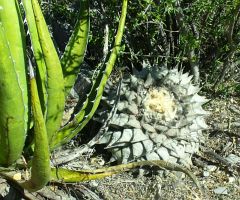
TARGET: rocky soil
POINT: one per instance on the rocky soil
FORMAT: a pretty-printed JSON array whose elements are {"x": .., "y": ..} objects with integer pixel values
[{"x": 217, "y": 167}]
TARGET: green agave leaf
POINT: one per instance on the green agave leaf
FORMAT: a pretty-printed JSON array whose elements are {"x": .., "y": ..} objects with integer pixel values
[
  {"x": 55, "y": 80},
  {"x": 66, "y": 175},
  {"x": 93, "y": 99},
  {"x": 76, "y": 47},
  {"x": 40, "y": 171},
  {"x": 41, "y": 75},
  {"x": 70, "y": 176},
  {"x": 13, "y": 83}
]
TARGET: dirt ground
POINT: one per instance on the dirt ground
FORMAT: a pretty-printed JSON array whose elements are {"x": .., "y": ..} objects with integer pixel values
[{"x": 217, "y": 167}]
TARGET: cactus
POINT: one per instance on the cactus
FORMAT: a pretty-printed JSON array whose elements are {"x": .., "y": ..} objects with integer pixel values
[{"x": 159, "y": 116}]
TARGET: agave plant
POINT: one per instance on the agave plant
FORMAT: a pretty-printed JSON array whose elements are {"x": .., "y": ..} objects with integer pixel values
[
  {"x": 159, "y": 117},
  {"x": 33, "y": 93},
  {"x": 33, "y": 90}
]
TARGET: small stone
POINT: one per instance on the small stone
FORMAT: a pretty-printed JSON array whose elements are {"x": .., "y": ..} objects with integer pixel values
[
  {"x": 220, "y": 190},
  {"x": 233, "y": 159},
  {"x": 94, "y": 183},
  {"x": 206, "y": 173},
  {"x": 211, "y": 168},
  {"x": 231, "y": 179}
]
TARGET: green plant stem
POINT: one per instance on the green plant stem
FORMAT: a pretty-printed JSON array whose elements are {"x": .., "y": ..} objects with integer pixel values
[
  {"x": 85, "y": 175},
  {"x": 93, "y": 99},
  {"x": 40, "y": 171}
]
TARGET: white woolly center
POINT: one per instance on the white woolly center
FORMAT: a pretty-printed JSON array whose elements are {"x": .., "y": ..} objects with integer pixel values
[{"x": 162, "y": 102}]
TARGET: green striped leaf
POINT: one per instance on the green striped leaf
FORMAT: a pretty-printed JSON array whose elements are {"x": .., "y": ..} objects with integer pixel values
[
  {"x": 40, "y": 169},
  {"x": 55, "y": 80},
  {"x": 41, "y": 72},
  {"x": 13, "y": 83}
]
